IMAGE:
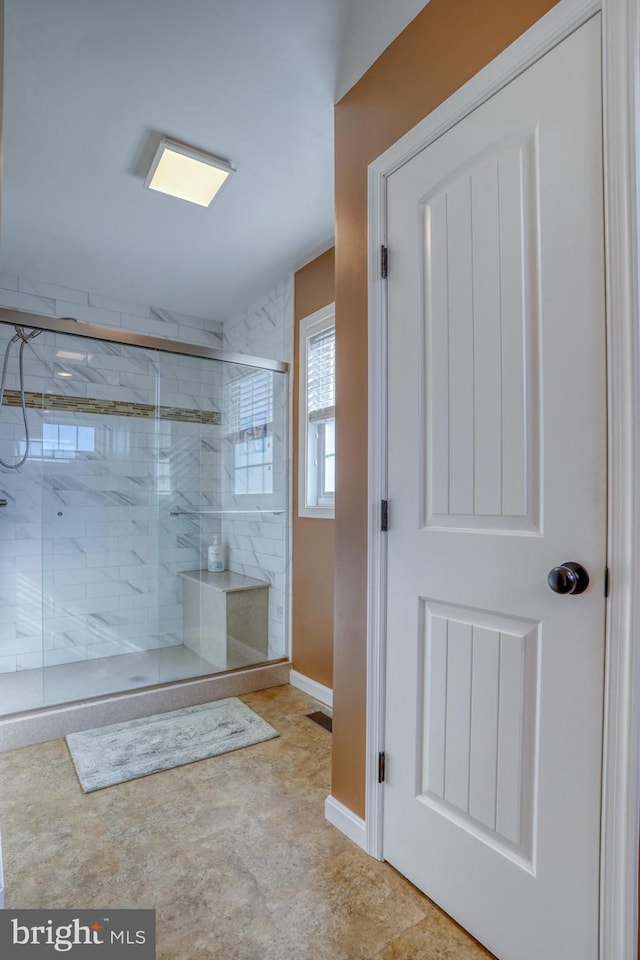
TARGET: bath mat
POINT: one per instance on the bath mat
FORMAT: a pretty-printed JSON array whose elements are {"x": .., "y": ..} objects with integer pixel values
[{"x": 136, "y": 748}]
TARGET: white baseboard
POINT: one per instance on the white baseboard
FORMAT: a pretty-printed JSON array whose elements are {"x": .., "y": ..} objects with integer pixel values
[
  {"x": 346, "y": 821},
  {"x": 316, "y": 690}
]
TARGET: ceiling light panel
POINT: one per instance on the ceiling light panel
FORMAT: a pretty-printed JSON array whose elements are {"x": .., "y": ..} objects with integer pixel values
[{"x": 189, "y": 174}]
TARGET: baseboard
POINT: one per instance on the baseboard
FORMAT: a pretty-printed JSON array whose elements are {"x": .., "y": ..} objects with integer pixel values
[
  {"x": 316, "y": 690},
  {"x": 346, "y": 821}
]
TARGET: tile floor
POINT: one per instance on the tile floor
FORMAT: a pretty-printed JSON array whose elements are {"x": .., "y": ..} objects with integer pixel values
[{"x": 233, "y": 852}]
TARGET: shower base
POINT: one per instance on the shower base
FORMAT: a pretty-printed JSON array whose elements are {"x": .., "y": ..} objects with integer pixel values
[
  {"x": 47, "y": 703},
  {"x": 65, "y": 682}
]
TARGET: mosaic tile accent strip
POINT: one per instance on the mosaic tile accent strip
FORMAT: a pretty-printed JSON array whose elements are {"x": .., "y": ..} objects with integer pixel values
[{"x": 111, "y": 408}]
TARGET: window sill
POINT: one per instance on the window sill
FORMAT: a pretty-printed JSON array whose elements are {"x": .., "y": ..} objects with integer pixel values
[{"x": 317, "y": 513}]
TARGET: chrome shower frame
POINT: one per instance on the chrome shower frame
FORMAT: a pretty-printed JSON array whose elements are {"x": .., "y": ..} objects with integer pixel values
[{"x": 71, "y": 326}]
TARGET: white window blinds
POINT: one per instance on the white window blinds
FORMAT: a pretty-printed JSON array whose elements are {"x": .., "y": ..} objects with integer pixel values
[
  {"x": 321, "y": 376},
  {"x": 251, "y": 403}
]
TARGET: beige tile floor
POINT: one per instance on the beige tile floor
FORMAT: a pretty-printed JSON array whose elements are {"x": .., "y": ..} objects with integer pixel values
[{"x": 233, "y": 852}]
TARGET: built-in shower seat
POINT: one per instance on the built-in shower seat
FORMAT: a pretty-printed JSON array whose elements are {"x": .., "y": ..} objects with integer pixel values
[{"x": 226, "y": 616}]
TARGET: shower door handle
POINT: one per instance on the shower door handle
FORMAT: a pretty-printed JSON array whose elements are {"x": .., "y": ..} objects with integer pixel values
[{"x": 3, "y": 501}]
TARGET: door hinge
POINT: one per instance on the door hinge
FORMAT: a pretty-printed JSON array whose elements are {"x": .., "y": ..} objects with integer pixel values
[
  {"x": 606, "y": 581},
  {"x": 384, "y": 262},
  {"x": 381, "y": 765},
  {"x": 384, "y": 515}
]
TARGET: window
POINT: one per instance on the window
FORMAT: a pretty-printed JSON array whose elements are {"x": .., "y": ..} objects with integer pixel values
[
  {"x": 250, "y": 421},
  {"x": 317, "y": 435}
]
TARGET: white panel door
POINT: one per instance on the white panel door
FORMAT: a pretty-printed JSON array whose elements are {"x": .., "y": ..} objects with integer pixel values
[{"x": 497, "y": 473}]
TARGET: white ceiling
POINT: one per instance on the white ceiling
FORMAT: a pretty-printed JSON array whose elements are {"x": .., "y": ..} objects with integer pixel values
[{"x": 91, "y": 85}]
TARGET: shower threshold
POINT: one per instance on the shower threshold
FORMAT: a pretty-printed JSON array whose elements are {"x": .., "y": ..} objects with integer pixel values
[{"x": 43, "y": 704}]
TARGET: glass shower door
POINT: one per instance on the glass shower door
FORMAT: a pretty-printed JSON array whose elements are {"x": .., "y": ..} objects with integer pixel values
[
  {"x": 21, "y": 543},
  {"x": 224, "y": 466},
  {"x": 100, "y": 543},
  {"x": 187, "y": 414}
]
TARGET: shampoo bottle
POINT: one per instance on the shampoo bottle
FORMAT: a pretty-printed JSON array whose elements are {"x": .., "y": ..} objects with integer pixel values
[{"x": 215, "y": 556}]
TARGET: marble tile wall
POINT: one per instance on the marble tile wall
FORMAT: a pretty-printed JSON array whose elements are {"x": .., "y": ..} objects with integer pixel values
[
  {"x": 89, "y": 549},
  {"x": 265, "y": 328},
  {"x": 51, "y": 300},
  {"x": 258, "y": 544}
]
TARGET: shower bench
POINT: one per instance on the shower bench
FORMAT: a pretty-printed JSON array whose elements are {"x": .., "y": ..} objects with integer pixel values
[{"x": 226, "y": 617}]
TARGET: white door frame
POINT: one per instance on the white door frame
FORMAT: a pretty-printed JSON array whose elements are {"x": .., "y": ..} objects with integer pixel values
[{"x": 621, "y": 117}]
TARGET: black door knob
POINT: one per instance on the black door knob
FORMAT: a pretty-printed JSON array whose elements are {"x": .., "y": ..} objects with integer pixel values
[{"x": 569, "y": 577}]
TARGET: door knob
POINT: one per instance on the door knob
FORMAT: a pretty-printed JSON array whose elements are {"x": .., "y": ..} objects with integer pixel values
[{"x": 569, "y": 577}]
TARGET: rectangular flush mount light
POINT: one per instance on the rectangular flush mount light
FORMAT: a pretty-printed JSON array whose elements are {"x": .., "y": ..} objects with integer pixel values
[{"x": 187, "y": 173}]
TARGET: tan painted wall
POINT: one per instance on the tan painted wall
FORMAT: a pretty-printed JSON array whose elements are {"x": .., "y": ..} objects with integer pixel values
[
  {"x": 446, "y": 44},
  {"x": 313, "y": 539}
]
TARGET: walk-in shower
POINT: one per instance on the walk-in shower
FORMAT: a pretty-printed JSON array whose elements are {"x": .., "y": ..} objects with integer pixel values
[{"x": 122, "y": 457}]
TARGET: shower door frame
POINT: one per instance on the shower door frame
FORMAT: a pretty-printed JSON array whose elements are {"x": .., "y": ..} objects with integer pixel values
[{"x": 93, "y": 331}]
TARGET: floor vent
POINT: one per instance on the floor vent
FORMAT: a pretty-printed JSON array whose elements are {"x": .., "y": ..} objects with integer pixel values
[{"x": 322, "y": 719}]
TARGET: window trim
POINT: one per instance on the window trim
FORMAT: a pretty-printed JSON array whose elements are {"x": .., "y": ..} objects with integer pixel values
[{"x": 310, "y": 326}]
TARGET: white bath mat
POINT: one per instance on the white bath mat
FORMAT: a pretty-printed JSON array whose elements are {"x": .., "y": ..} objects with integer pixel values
[{"x": 136, "y": 748}]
